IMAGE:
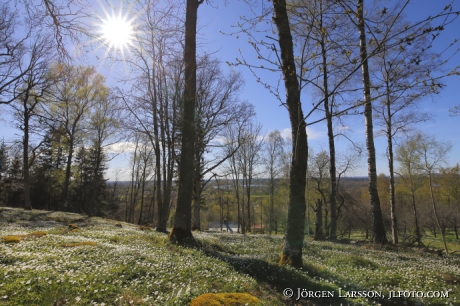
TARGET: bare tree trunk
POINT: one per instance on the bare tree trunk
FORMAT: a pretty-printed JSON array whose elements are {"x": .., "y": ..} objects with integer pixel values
[
  {"x": 248, "y": 195},
  {"x": 197, "y": 194},
  {"x": 236, "y": 187},
  {"x": 197, "y": 176},
  {"x": 65, "y": 189},
  {"x": 435, "y": 211},
  {"x": 143, "y": 189},
  {"x": 377, "y": 218},
  {"x": 181, "y": 232},
  {"x": 319, "y": 234},
  {"x": 394, "y": 225},
  {"x": 293, "y": 243},
  {"x": 243, "y": 219},
  {"x": 418, "y": 236},
  {"x": 25, "y": 160},
  {"x": 330, "y": 135},
  {"x": 272, "y": 203}
]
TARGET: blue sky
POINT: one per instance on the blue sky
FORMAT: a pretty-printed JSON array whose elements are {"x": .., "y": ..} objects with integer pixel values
[
  {"x": 218, "y": 17},
  {"x": 273, "y": 116}
]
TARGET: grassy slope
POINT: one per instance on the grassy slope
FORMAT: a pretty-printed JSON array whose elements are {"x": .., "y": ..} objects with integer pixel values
[{"x": 128, "y": 266}]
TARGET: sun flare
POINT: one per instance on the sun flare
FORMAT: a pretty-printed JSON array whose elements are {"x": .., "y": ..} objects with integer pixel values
[{"x": 117, "y": 32}]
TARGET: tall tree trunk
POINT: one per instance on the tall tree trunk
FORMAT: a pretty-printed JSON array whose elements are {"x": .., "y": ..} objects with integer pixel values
[
  {"x": 243, "y": 218},
  {"x": 272, "y": 203},
  {"x": 65, "y": 191},
  {"x": 378, "y": 226},
  {"x": 418, "y": 236},
  {"x": 142, "y": 191},
  {"x": 293, "y": 243},
  {"x": 181, "y": 232},
  {"x": 128, "y": 207},
  {"x": 25, "y": 159},
  {"x": 330, "y": 135},
  {"x": 319, "y": 234},
  {"x": 197, "y": 194},
  {"x": 248, "y": 202},
  {"x": 237, "y": 190},
  {"x": 394, "y": 225},
  {"x": 435, "y": 211}
]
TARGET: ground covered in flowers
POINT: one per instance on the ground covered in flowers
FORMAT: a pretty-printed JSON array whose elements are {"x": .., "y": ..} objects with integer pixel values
[{"x": 101, "y": 263}]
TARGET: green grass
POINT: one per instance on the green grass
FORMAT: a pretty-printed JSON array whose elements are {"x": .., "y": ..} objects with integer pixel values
[{"x": 128, "y": 266}]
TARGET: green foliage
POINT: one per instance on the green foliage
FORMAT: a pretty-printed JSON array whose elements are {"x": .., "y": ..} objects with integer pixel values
[
  {"x": 47, "y": 176},
  {"x": 89, "y": 186}
]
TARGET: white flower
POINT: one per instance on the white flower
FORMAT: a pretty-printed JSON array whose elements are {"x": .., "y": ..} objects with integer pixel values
[{"x": 78, "y": 299}]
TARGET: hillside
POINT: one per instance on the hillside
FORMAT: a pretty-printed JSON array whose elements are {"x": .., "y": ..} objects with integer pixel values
[{"x": 96, "y": 262}]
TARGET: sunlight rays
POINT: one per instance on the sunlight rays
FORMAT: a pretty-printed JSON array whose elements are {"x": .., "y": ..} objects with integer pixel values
[{"x": 116, "y": 31}]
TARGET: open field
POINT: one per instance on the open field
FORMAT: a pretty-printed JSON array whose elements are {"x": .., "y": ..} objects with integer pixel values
[{"x": 101, "y": 263}]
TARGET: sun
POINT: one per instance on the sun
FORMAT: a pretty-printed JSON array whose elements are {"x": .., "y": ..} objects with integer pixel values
[{"x": 117, "y": 31}]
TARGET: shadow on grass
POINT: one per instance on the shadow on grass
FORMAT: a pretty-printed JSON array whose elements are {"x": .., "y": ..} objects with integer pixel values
[{"x": 279, "y": 278}]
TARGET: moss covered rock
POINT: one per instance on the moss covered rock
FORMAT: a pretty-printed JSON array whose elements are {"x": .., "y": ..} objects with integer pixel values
[
  {"x": 11, "y": 239},
  {"x": 225, "y": 299},
  {"x": 37, "y": 234}
]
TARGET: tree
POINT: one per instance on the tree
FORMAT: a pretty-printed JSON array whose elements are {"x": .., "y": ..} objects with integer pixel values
[
  {"x": 233, "y": 140},
  {"x": 293, "y": 243},
  {"x": 69, "y": 101},
  {"x": 48, "y": 172},
  {"x": 3, "y": 159},
  {"x": 403, "y": 73},
  {"x": 155, "y": 96},
  {"x": 377, "y": 218},
  {"x": 181, "y": 232},
  {"x": 36, "y": 84},
  {"x": 384, "y": 39},
  {"x": 318, "y": 173},
  {"x": 274, "y": 147},
  {"x": 62, "y": 19},
  {"x": 325, "y": 60},
  {"x": 103, "y": 124},
  {"x": 433, "y": 154},
  {"x": 409, "y": 159},
  {"x": 12, "y": 52},
  {"x": 217, "y": 106},
  {"x": 248, "y": 158},
  {"x": 449, "y": 183}
]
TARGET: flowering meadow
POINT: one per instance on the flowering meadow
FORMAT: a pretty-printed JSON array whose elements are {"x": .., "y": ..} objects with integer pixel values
[{"x": 104, "y": 264}]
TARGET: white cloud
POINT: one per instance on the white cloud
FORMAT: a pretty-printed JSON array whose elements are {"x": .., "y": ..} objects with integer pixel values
[
  {"x": 120, "y": 147},
  {"x": 312, "y": 134}
]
